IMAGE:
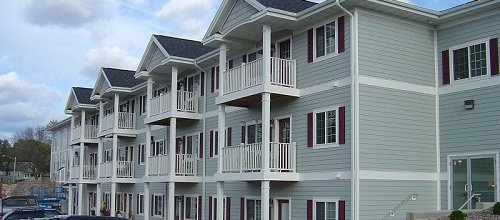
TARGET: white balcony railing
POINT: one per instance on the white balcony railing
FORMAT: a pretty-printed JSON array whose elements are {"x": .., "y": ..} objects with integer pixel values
[
  {"x": 89, "y": 172},
  {"x": 185, "y": 165},
  {"x": 75, "y": 172},
  {"x": 283, "y": 73},
  {"x": 125, "y": 121},
  {"x": 158, "y": 165},
  {"x": 125, "y": 169},
  {"x": 91, "y": 131},
  {"x": 106, "y": 169},
  {"x": 248, "y": 157},
  {"x": 76, "y": 133},
  {"x": 186, "y": 102}
]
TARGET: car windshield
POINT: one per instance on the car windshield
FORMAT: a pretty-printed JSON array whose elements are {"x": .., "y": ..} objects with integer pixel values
[{"x": 19, "y": 202}]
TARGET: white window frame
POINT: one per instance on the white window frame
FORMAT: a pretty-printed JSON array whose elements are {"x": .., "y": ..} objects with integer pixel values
[
  {"x": 141, "y": 153},
  {"x": 277, "y": 47},
  {"x": 467, "y": 45},
  {"x": 250, "y": 123},
  {"x": 325, "y": 145},
  {"x": 153, "y": 152},
  {"x": 143, "y": 104},
  {"x": 195, "y": 197},
  {"x": 107, "y": 155},
  {"x": 246, "y": 203},
  {"x": 140, "y": 203},
  {"x": 327, "y": 55},
  {"x": 215, "y": 143},
  {"x": 214, "y": 207},
  {"x": 194, "y": 148},
  {"x": 153, "y": 205},
  {"x": 325, "y": 200},
  {"x": 216, "y": 78},
  {"x": 276, "y": 126}
]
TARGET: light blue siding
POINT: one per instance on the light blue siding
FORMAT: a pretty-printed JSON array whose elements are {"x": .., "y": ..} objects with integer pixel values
[{"x": 240, "y": 13}]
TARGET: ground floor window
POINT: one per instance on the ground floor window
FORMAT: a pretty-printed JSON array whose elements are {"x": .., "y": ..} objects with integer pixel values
[
  {"x": 253, "y": 209},
  {"x": 325, "y": 210}
]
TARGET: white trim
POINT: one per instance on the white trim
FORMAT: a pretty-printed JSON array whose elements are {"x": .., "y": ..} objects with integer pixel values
[
  {"x": 324, "y": 110},
  {"x": 397, "y": 175},
  {"x": 325, "y": 86},
  {"x": 315, "y": 176},
  {"x": 276, "y": 127},
  {"x": 326, "y": 200},
  {"x": 467, "y": 45},
  {"x": 470, "y": 84},
  {"x": 462, "y": 20},
  {"x": 336, "y": 39},
  {"x": 138, "y": 195},
  {"x": 153, "y": 205},
  {"x": 393, "y": 84},
  {"x": 437, "y": 125}
]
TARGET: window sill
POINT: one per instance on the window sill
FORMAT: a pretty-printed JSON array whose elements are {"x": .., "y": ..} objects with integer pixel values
[
  {"x": 325, "y": 57},
  {"x": 468, "y": 80},
  {"x": 321, "y": 146}
]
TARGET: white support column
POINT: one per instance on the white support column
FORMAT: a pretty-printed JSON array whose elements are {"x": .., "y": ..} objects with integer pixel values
[
  {"x": 220, "y": 201},
  {"x": 171, "y": 200},
  {"x": 172, "y": 145},
  {"x": 266, "y": 124},
  {"x": 113, "y": 199},
  {"x": 222, "y": 134},
  {"x": 99, "y": 156},
  {"x": 101, "y": 114},
  {"x": 80, "y": 198},
  {"x": 82, "y": 125},
  {"x": 149, "y": 93},
  {"x": 70, "y": 199},
  {"x": 72, "y": 127},
  {"x": 264, "y": 198},
  {"x": 114, "y": 157},
  {"x": 148, "y": 149},
  {"x": 173, "y": 91},
  {"x": 98, "y": 199},
  {"x": 222, "y": 67},
  {"x": 146, "y": 201},
  {"x": 117, "y": 110},
  {"x": 266, "y": 54}
]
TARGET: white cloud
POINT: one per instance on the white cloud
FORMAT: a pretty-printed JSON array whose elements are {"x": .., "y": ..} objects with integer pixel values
[
  {"x": 25, "y": 103},
  {"x": 64, "y": 13},
  {"x": 107, "y": 57}
]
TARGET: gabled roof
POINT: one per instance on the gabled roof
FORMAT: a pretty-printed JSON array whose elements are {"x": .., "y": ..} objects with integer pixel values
[
  {"x": 121, "y": 78},
  {"x": 83, "y": 95},
  {"x": 287, "y": 5},
  {"x": 185, "y": 48}
]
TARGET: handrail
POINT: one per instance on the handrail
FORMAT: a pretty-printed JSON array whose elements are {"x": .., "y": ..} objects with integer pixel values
[
  {"x": 468, "y": 200},
  {"x": 412, "y": 196}
]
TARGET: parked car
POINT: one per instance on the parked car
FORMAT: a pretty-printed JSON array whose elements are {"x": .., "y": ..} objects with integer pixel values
[
  {"x": 85, "y": 217},
  {"x": 27, "y": 213},
  {"x": 17, "y": 202}
]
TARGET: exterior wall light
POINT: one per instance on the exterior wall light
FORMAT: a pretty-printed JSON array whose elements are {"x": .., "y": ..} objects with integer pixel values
[{"x": 469, "y": 104}]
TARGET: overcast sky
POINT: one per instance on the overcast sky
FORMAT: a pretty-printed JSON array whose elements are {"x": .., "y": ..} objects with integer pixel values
[{"x": 48, "y": 46}]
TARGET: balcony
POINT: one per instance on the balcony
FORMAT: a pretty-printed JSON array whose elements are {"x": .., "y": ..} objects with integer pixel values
[
  {"x": 90, "y": 134},
  {"x": 75, "y": 172},
  {"x": 124, "y": 169},
  {"x": 126, "y": 124},
  {"x": 89, "y": 172},
  {"x": 244, "y": 83},
  {"x": 246, "y": 159},
  {"x": 185, "y": 165},
  {"x": 161, "y": 107}
]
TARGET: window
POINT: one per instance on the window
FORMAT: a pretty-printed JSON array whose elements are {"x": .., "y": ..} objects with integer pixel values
[
  {"x": 107, "y": 199},
  {"x": 140, "y": 204},
  {"x": 158, "y": 204},
  {"x": 253, "y": 208},
  {"x": 142, "y": 104},
  {"x": 158, "y": 148},
  {"x": 160, "y": 91},
  {"x": 214, "y": 207},
  {"x": 127, "y": 106},
  {"x": 215, "y": 78},
  {"x": 470, "y": 61},
  {"x": 141, "y": 155},
  {"x": 108, "y": 155},
  {"x": 125, "y": 153},
  {"x": 191, "y": 207},
  {"x": 109, "y": 111},
  {"x": 215, "y": 141},
  {"x": 325, "y": 39},
  {"x": 325, "y": 127},
  {"x": 325, "y": 210},
  {"x": 254, "y": 133}
]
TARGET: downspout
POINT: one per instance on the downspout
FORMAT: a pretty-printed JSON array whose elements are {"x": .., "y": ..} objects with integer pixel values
[
  {"x": 438, "y": 138},
  {"x": 354, "y": 113},
  {"x": 204, "y": 183}
]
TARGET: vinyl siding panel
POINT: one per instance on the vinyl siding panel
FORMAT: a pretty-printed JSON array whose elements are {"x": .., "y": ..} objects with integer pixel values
[
  {"x": 397, "y": 130},
  {"x": 378, "y": 197},
  {"x": 156, "y": 58},
  {"x": 240, "y": 13},
  {"x": 393, "y": 49}
]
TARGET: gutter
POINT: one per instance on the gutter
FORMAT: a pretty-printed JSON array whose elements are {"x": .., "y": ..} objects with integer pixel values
[{"x": 204, "y": 184}]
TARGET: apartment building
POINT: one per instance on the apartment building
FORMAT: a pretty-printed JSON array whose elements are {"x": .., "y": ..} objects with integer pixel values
[{"x": 336, "y": 110}]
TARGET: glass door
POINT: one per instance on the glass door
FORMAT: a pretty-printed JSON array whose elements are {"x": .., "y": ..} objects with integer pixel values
[
  {"x": 473, "y": 177},
  {"x": 283, "y": 209}
]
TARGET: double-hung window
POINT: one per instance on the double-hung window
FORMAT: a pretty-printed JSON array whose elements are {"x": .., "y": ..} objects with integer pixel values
[
  {"x": 253, "y": 209},
  {"x": 158, "y": 204},
  {"x": 325, "y": 40},
  {"x": 191, "y": 207},
  {"x": 470, "y": 61},
  {"x": 141, "y": 157},
  {"x": 325, "y": 210},
  {"x": 140, "y": 204},
  {"x": 158, "y": 148},
  {"x": 325, "y": 127}
]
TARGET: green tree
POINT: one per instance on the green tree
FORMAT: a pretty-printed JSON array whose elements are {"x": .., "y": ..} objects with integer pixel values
[
  {"x": 35, "y": 152},
  {"x": 6, "y": 156}
]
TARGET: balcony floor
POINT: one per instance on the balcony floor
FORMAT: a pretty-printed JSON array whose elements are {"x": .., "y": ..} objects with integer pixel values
[
  {"x": 249, "y": 96},
  {"x": 164, "y": 118},
  {"x": 258, "y": 176}
]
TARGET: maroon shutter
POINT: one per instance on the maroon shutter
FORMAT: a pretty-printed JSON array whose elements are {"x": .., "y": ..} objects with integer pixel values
[
  {"x": 494, "y": 56},
  {"x": 183, "y": 145},
  {"x": 310, "y": 129},
  {"x": 217, "y": 72},
  {"x": 342, "y": 125},
  {"x": 446, "y": 67},
  {"x": 211, "y": 143},
  {"x": 341, "y": 37},
  {"x": 200, "y": 203},
  {"x": 309, "y": 209},
  {"x": 310, "y": 45},
  {"x": 182, "y": 207},
  {"x": 244, "y": 58},
  {"x": 230, "y": 64},
  {"x": 341, "y": 210},
  {"x": 242, "y": 208},
  {"x": 212, "y": 83},
  {"x": 228, "y": 208},
  {"x": 243, "y": 131},
  {"x": 229, "y": 136},
  {"x": 200, "y": 149},
  {"x": 209, "y": 208},
  {"x": 202, "y": 82}
]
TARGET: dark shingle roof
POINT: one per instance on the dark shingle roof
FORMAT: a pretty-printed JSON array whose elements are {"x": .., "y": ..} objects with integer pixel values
[
  {"x": 287, "y": 5},
  {"x": 83, "y": 95},
  {"x": 182, "y": 47},
  {"x": 121, "y": 78}
]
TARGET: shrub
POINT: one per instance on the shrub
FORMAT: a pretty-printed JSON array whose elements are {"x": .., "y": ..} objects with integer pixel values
[
  {"x": 496, "y": 208},
  {"x": 457, "y": 215}
]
